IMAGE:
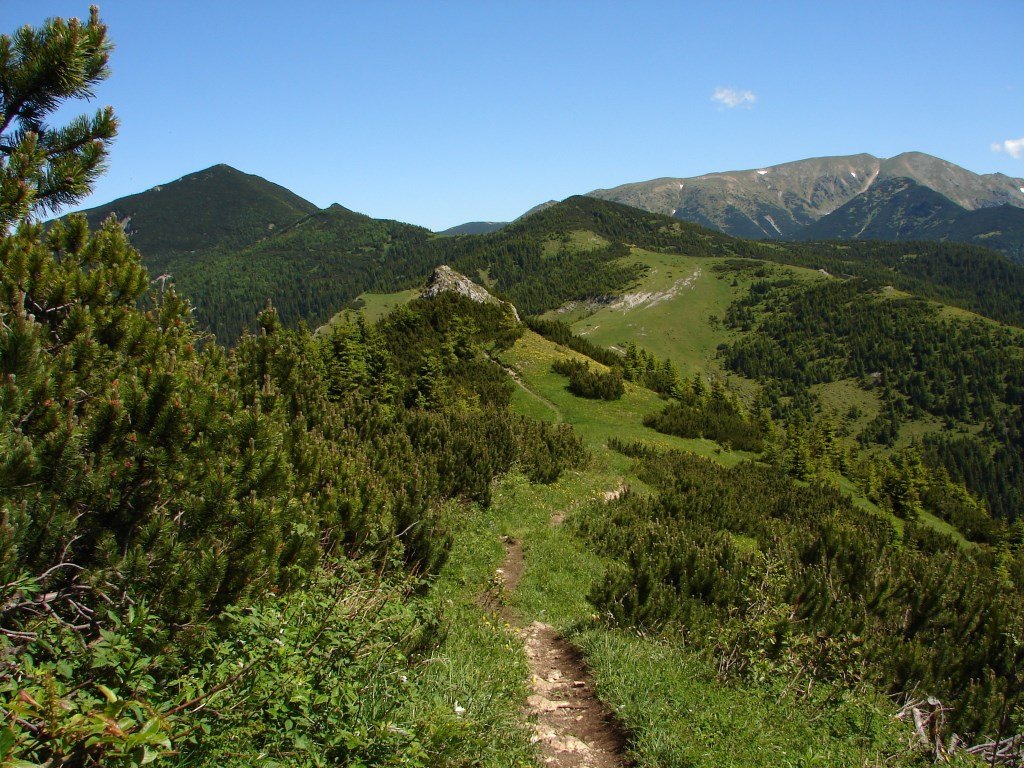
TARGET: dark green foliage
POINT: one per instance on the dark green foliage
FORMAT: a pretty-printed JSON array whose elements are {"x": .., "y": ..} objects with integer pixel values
[
  {"x": 806, "y": 449},
  {"x": 962, "y": 275},
  {"x": 585, "y": 381},
  {"x": 560, "y": 333},
  {"x": 179, "y": 223},
  {"x": 992, "y": 472},
  {"x": 442, "y": 338},
  {"x": 768, "y": 574},
  {"x": 308, "y": 270},
  {"x": 625, "y": 224},
  {"x": 140, "y": 468},
  {"x": 950, "y": 502},
  {"x": 470, "y": 448},
  {"x": 645, "y": 369},
  {"x": 543, "y": 452},
  {"x": 962, "y": 371},
  {"x": 474, "y": 228},
  {"x": 884, "y": 429},
  {"x": 898, "y": 209},
  {"x": 180, "y": 472},
  {"x": 535, "y": 281},
  {"x": 712, "y": 413},
  {"x": 43, "y": 168},
  {"x": 999, "y": 227}
]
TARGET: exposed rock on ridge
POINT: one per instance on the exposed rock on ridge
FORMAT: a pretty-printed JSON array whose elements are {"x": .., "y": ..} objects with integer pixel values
[{"x": 447, "y": 279}]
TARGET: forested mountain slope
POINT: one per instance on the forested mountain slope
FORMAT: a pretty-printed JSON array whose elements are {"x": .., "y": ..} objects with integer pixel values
[
  {"x": 900, "y": 209},
  {"x": 307, "y": 270},
  {"x": 317, "y": 266},
  {"x": 474, "y": 228},
  {"x": 965, "y": 276},
  {"x": 218, "y": 206},
  {"x": 892, "y": 209},
  {"x": 232, "y": 241}
]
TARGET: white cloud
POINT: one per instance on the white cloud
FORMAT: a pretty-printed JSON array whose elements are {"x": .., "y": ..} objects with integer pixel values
[
  {"x": 733, "y": 97},
  {"x": 1013, "y": 147}
]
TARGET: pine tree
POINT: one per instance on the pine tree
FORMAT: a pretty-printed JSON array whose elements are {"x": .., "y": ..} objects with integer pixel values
[
  {"x": 430, "y": 383},
  {"x": 666, "y": 380},
  {"x": 801, "y": 465},
  {"x": 43, "y": 168},
  {"x": 698, "y": 388}
]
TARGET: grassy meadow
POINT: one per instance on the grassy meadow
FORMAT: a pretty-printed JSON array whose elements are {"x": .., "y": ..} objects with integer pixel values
[
  {"x": 666, "y": 692},
  {"x": 678, "y": 318}
]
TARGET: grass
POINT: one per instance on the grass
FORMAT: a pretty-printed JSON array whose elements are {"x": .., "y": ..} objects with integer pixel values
[
  {"x": 559, "y": 568},
  {"x": 912, "y": 431},
  {"x": 856, "y": 495},
  {"x": 543, "y": 394},
  {"x": 528, "y": 403},
  {"x": 598, "y": 420},
  {"x": 941, "y": 526},
  {"x": 578, "y": 242},
  {"x": 680, "y": 327},
  {"x": 374, "y": 306},
  {"x": 838, "y": 397},
  {"x": 480, "y": 667},
  {"x": 667, "y": 694},
  {"x": 683, "y": 716}
]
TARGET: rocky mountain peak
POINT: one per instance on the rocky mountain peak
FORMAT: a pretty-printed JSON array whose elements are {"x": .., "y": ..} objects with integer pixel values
[
  {"x": 447, "y": 279},
  {"x": 779, "y": 201}
]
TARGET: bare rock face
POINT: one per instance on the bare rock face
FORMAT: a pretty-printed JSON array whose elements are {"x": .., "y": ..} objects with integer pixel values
[{"x": 447, "y": 279}]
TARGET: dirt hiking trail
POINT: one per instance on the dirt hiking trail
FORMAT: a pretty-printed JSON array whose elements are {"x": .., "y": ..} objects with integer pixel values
[{"x": 573, "y": 728}]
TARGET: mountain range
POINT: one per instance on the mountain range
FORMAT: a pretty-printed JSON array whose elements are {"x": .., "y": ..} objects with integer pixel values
[
  {"x": 902, "y": 209},
  {"x": 912, "y": 196},
  {"x": 232, "y": 240}
]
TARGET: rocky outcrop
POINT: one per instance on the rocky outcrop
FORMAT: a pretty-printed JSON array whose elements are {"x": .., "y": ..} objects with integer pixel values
[{"x": 447, "y": 279}]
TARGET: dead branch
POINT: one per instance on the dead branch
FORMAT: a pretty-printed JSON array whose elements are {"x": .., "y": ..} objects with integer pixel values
[{"x": 929, "y": 718}]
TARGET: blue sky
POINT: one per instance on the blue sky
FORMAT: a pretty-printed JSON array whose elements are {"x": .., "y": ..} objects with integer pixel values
[{"x": 438, "y": 113}]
